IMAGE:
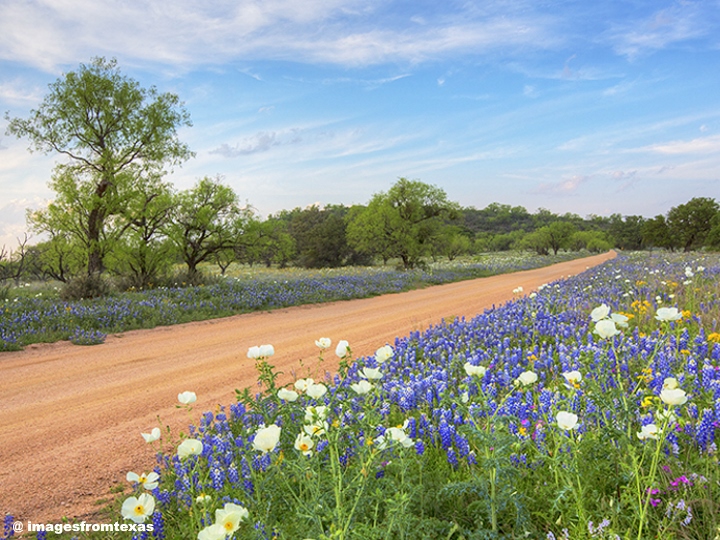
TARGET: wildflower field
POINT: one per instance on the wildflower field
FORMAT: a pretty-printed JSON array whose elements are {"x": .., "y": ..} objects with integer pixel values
[
  {"x": 33, "y": 313},
  {"x": 586, "y": 409}
]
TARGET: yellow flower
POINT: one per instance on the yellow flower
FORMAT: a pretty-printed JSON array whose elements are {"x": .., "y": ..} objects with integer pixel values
[
  {"x": 685, "y": 352},
  {"x": 714, "y": 337},
  {"x": 686, "y": 314},
  {"x": 647, "y": 402}
]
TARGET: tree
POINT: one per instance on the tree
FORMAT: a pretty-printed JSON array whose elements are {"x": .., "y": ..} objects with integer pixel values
[
  {"x": 207, "y": 220},
  {"x": 593, "y": 241},
  {"x": 559, "y": 234},
  {"x": 691, "y": 222},
  {"x": 656, "y": 233},
  {"x": 538, "y": 241},
  {"x": 627, "y": 232},
  {"x": 402, "y": 222},
  {"x": 113, "y": 132},
  {"x": 145, "y": 252}
]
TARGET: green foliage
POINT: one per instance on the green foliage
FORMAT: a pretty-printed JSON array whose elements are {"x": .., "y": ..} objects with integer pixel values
[
  {"x": 114, "y": 133},
  {"x": 690, "y": 223},
  {"x": 592, "y": 241},
  {"x": 627, "y": 232},
  {"x": 321, "y": 238},
  {"x": 402, "y": 222},
  {"x": 207, "y": 220},
  {"x": 144, "y": 253}
]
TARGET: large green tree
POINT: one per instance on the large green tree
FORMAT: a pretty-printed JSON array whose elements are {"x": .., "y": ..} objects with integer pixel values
[
  {"x": 113, "y": 133},
  {"x": 207, "y": 220},
  {"x": 691, "y": 222},
  {"x": 402, "y": 222}
]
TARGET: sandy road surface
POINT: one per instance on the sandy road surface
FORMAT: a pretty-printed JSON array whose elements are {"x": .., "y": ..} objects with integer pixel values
[{"x": 71, "y": 417}]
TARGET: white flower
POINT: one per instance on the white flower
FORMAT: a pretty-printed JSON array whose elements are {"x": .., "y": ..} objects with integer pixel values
[
  {"x": 688, "y": 272},
  {"x": 316, "y": 391},
  {"x": 323, "y": 342},
  {"x": 153, "y": 436},
  {"x": 266, "y": 438},
  {"x": 674, "y": 396},
  {"x": 566, "y": 420},
  {"x": 371, "y": 374},
  {"x": 600, "y": 313},
  {"x": 314, "y": 414},
  {"x": 518, "y": 290},
  {"x": 700, "y": 269},
  {"x": 230, "y": 516},
  {"x": 213, "y": 532},
  {"x": 203, "y": 499},
  {"x": 667, "y": 314},
  {"x": 394, "y": 434},
  {"x": 302, "y": 384},
  {"x": 263, "y": 351},
  {"x": 361, "y": 387},
  {"x": 383, "y": 354},
  {"x": 187, "y": 397},
  {"x": 648, "y": 431},
  {"x": 316, "y": 429},
  {"x": 474, "y": 370},
  {"x": 527, "y": 378},
  {"x": 670, "y": 383},
  {"x": 138, "y": 509},
  {"x": 342, "y": 349},
  {"x": 619, "y": 320},
  {"x": 227, "y": 521},
  {"x": 464, "y": 397},
  {"x": 287, "y": 394},
  {"x": 606, "y": 328},
  {"x": 190, "y": 447},
  {"x": 148, "y": 481},
  {"x": 304, "y": 444},
  {"x": 573, "y": 377}
]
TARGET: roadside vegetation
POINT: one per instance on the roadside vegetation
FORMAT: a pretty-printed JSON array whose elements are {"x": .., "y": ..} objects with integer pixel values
[{"x": 587, "y": 409}]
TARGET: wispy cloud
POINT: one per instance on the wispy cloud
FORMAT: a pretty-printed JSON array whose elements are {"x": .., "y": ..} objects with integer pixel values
[
  {"x": 681, "y": 22},
  {"x": 260, "y": 142},
  {"x": 564, "y": 187},
  {"x": 701, "y": 145},
  {"x": 346, "y": 32}
]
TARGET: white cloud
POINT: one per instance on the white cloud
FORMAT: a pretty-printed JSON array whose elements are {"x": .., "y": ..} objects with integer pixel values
[
  {"x": 702, "y": 145},
  {"x": 185, "y": 32},
  {"x": 681, "y": 22}
]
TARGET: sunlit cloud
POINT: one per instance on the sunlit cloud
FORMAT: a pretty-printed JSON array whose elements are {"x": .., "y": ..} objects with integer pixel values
[
  {"x": 564, "y": 187},
  {"x": 702, "y": 145}
]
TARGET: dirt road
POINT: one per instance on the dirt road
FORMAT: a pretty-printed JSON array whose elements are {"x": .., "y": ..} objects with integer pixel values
[{"x": 71, "y": 417}]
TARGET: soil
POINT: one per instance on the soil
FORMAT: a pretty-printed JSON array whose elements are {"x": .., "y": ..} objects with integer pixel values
[{"x": 71, "y": 416}]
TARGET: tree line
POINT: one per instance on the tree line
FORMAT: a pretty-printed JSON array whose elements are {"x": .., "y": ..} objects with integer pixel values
[{"x": 114, "y": 214}]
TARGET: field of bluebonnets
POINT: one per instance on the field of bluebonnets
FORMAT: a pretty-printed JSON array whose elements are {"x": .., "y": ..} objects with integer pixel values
[
  {"x": 586, "y": 409},
  {"x": 34, "y": 313}
]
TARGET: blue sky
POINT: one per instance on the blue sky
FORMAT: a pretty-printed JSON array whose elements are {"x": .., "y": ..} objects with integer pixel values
[{"x": 575, "y": 106}]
